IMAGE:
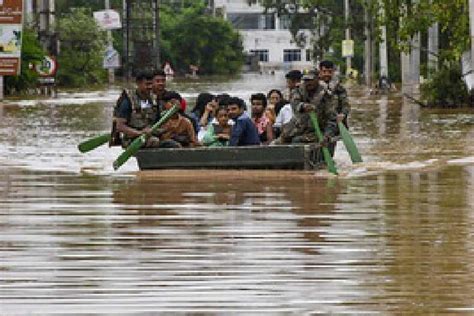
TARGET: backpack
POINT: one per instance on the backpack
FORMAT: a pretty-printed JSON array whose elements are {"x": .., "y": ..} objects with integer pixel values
[{"x": 115, "y": 137}]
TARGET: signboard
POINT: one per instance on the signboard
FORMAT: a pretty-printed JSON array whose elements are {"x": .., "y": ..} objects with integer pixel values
[
  {"x": 47, "y": 67},
  {"x": 111, "y": 58},
  {"x": 347, "y": 48},
  {"x": 11, "y": 14},
  {"x": 108, "y": 19}
]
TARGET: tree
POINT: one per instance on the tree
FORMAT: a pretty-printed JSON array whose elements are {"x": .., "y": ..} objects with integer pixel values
[
  {"x": 189, "y": 36},
  {"x": 31, "y": 53},
  {"x": 325, "y": 20},
  {"x": 82, "y": 47}
]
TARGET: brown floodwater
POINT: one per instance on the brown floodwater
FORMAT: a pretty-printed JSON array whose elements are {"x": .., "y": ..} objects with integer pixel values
[{"x": 393, "y": 235}]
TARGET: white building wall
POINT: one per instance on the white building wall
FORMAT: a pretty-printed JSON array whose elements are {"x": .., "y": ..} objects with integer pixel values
[{"x": 274, "y": 40}]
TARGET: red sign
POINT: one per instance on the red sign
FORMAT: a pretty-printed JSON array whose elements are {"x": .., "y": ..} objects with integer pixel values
[
  {"x": 11, "y": 14},
  {"x": 9, "y": 66}
]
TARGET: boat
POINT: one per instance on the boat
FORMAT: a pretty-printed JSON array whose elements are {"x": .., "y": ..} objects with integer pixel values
[{"x": 295, "y": 157}]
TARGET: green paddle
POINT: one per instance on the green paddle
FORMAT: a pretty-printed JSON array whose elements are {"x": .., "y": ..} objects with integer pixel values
[
  {"x": 93, "y": 143},
  {"x": 349, "y": 143},
  {"x": 141, "y": 140},
  {"x": 327, "y": 156}
]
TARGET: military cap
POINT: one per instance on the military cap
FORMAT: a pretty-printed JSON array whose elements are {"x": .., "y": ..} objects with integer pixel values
[{"x": 310, "y": 75}]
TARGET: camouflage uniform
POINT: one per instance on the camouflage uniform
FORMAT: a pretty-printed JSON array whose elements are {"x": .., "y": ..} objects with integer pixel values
[
  {"x": 300, "y": 129},
  {"x": 139, "y": 118},
  {"x": 343, "y": 106}
]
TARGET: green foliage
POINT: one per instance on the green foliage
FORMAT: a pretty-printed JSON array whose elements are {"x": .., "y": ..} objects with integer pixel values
[
  {"x": 31, "y": 54},
  {"x": 408, "y": 17},
  {"x": 82, "y": 47},
  {"x": 191, "y": 37},
  {"x": 446, "y": 88},
  {"x": 326, "y": 21}
]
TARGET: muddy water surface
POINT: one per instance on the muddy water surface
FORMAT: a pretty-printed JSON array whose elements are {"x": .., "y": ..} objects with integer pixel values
[{"x": 394, "y": 235}]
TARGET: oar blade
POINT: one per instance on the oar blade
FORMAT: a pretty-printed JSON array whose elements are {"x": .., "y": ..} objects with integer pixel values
[
  {"x": 93, "y": 143},
  {"x": 329, "y": 161},
  {"x": 130, "y": 151},
  {"x": 350, "y": 144},
  {"x": 327, "y": 156},
  {"x": 140, "y": 141}
]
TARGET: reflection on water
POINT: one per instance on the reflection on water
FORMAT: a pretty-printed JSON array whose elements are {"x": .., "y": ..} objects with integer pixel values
[
  {"x": 393, "y": 235},
  {"x": 389, "y": 243}
]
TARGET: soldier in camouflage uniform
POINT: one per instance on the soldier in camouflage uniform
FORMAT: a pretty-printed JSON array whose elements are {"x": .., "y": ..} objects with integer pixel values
[
  {"x": 135, "y": 113},
  {"x": 326, "y": 74},
  {"x": 311, "y": 96}
]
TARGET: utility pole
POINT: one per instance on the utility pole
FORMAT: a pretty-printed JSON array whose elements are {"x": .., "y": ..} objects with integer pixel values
[
  {"x": 471, "y": 22},
  {"x": 1, "y": 88},
  {"x": 110, "y": 44},
  {"x": 383, "y": 46},
  {"x": 46, "y": 22},
  {"x": 157, "y": 34},
  {"x": 405, "y": 61},
  {"x": 348, "y": 32},
  {"x": 433, "y": 48},
  {"x": 415, "y": 59},
  {"x": 367, "y": 50}
]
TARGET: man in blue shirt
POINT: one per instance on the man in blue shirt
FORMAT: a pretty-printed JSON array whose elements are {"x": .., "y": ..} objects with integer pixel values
[{"x": 244, "y": 131}]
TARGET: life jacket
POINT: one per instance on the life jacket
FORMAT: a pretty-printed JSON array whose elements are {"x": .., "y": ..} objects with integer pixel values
[{"x": 139, "y": 118}]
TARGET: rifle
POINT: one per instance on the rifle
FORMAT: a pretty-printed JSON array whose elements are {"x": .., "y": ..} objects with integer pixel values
[
  {"x": 141, "y": 140},
  {"x": 327, "y": 156}
]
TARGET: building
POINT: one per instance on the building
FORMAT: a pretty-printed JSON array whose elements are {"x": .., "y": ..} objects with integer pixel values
[{"x": 265, "y": 36}]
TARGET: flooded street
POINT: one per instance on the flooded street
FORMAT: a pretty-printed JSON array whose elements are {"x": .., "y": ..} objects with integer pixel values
[{"x": 393, "y": 235}]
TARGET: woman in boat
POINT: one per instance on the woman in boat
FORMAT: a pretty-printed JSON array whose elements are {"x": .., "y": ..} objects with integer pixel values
[
  {"x": 203, "y": 113},
  {"x": 218, "y": 133},
  {"x": 260, "y": 118},
  {"x": 274, "y": 96}
]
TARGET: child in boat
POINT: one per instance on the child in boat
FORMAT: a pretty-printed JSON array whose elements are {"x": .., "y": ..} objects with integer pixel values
[
  {"x": 218, "y": 133},
  {"x": 178, "y": 131}
]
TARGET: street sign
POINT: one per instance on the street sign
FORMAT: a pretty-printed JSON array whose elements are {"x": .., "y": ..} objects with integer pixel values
[
  {"x": 347, "y": 48},
  {"x": 11, "y": 19},
  {"x": 47, "y": 67},
  {"x": 108, "y": 19},
  {"x": 111, "y": 58}
]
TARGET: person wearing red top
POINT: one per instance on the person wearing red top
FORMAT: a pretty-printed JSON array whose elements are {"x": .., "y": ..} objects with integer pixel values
[{"x": 260, "y": 119}]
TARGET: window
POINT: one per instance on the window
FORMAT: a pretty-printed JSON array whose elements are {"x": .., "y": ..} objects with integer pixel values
[
  {"x": 302, "y": 20},
  {"x": 244, "y": 21},
  {"x": 261, "y": 53},
  {"x": 308, "y": 54},
  {"x": 252, "y": 21},
  {"x": 285, "y": 22},
  {"x": 290, "y": 55},
  {"x": 267, "y": 22}
]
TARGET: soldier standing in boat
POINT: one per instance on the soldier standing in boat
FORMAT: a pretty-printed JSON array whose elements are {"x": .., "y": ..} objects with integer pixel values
[
  {"x": 310, "y": 96},
  {"x": 293, "y": 81},
  {"x": 159, "y": 88},
  {"x": 135, "y": 113},
  {"x": 334, "y": 86}
]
